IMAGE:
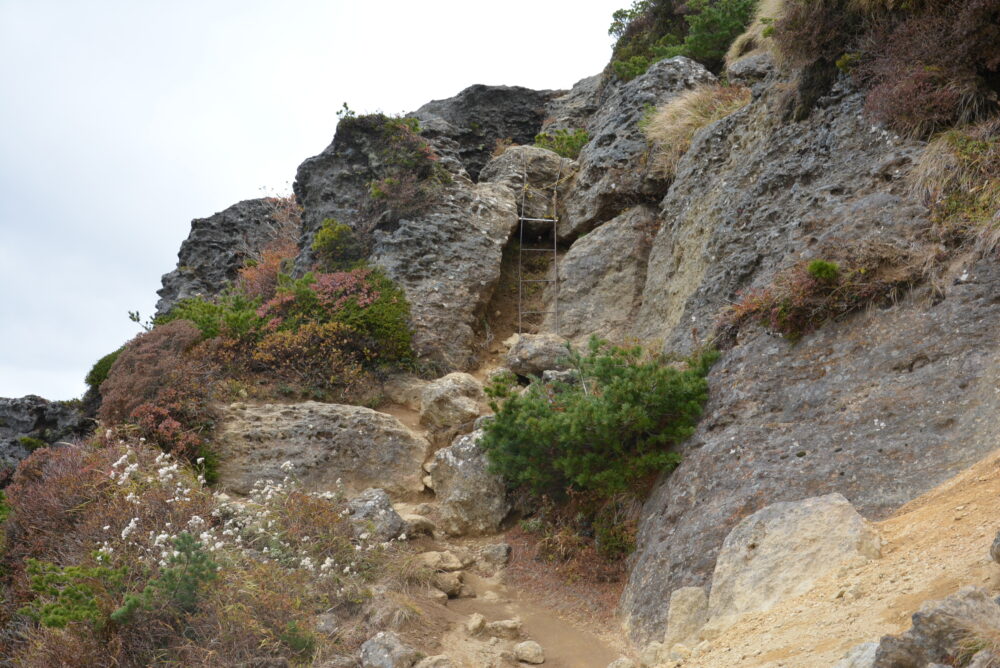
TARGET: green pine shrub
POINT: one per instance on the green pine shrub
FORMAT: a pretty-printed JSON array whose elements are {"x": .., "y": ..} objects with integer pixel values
[
  {"x": 566, "y": 143},
  {"x": 337, "y": 247},
  {"x": 602, "y": 434},
  {"x": 99, "y": 372}
]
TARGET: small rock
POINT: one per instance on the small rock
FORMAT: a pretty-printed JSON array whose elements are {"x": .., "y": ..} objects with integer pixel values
[
  {"x": 327, "y": 623},
  {"x": 449, "y": 583},
  {"x": 651, "y": 654},
  {"x": 372, "y": 513},
  {"x": 439, "y": 661},
  {"x": 491, "y": 597},
  {"x": 437, "y": 596},
  {"x": 417, "y": 525},
  {"x": 622, "y": 662},
  {"x": 475, "y": 624},
  {"x": 505, "y": 628},
  {"x": 386, "y": 650},
  {"x": 496, "y": 555},
  {"x": 441, "y": 561},
  {"x": 473, "y": 500},
  {"x": 859, "y": 656},
  {"x": 529, "y": 651},
  {"x": 532, "y": 354}
]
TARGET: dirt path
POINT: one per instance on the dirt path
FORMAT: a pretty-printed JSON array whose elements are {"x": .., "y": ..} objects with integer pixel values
[{"x": 932, "y": 546}]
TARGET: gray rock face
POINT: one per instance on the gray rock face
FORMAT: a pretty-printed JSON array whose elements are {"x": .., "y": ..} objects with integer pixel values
[
  {"x": 323, "y": 442},
  {"x": 860, "y": 656},
  {"x": 448, "y": 263},
  {"x": 386, "y": 650},
  {"x": 218, "y": 247},
  {"x": 939, "y": 630},
  {"x": 611, "y": 178},
  {"x": 602, "y": 278},
  {"x": 545, "y": 169},
  {"x": 572, "y": 110},
  {"x": 480, "y": 115},
  {"x": 451, "y": 401},
  {"x": 372, "y": 513},
  {"x": 532, "y": 354},
  {"x": 781, "y": 550},
  {"x": 753, "y": 194},
  {"x": 35, "y": 418},
  {"x": 686, "y": 617},
  {"x": 473, "y": 500},
  {"x": 880, "y": 407}
]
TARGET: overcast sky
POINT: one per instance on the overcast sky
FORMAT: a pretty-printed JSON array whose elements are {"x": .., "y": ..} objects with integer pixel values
[{"x": 122, "y": 121}]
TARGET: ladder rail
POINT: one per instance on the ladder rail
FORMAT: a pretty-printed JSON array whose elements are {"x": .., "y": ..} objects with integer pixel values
[{"x": 554, "y": 249}]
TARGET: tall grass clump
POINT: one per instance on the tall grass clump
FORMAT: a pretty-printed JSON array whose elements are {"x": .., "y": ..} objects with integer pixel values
[{"x": 670, "y": 127}]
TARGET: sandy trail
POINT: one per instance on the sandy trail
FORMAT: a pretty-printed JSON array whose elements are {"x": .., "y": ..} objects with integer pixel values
[{"x": 932, "y": 546}]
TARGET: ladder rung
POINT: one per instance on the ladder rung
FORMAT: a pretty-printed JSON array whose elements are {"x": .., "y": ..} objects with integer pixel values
[
  {"x": 539, "y": 250},
  {"x": 535, "y": 312},
  {"x": 540, "y": 220},
  {"x": 538, "y": 280}
]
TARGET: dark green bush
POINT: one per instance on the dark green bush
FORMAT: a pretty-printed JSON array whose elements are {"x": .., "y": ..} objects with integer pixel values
[
  {"x": 99, "y": 372},
  {"x": 654, "y": 30},
  {"x": 603, "y": 433},
  {"x": 824, "y": 271},
  {"x": 232, "y": 313},
  {"x": 566, "y": 143}
]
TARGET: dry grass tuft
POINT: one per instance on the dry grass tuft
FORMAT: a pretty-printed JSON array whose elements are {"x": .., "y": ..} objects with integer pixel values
[
  {"x": 958, "y": 177},
  {"x": 671, "y": 127},
  {"x": 757, "y": 37}
]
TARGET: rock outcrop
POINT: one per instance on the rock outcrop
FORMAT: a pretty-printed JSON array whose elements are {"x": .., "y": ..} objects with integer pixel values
[
  {"x": 781, "y": 550},
  {"x": 611, "y": 178},
  {"x": 480, "y": 115},
  {"x": 602, "y": 278},
  {"x": 533, "y": 354},
  {"x": 472, "y": 499},
  {"x": 323, "y": 442},
  {"x": 220, "y": 245},
  {"x": 450, "y": 405},
  {"x": 545, "y": 171},
  {"x": 27, "y": 421},
  {"x": 572, "y": 110}
]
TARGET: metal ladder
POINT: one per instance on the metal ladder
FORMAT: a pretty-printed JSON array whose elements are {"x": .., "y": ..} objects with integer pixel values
[{"x": 521, "y": 280}]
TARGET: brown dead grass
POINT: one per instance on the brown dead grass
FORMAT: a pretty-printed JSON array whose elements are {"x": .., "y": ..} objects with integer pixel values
[{"x": 753, "y": 39}]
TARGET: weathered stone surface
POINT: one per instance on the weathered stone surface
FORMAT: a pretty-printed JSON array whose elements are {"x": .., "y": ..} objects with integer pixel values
[
  {"x": 472, "y": 500},
  {"x": 751, "y": 70},
  {"x": 505, "y": 628},
  {"x": 405, "y": 391},
  {"x": 324, "y": 443},
  {"x": 532, "y": 354},
  {"x": 35, "y": 418},
  {"x": 602, "y": 278},
  {"x": 386, "y": 650},
  {"x": 880, "y": 407},
  {"x": 449, "y": 583},
  {"x": 995, "y": 548},
  {"x": 438, "y": 661},
  {"x": 372, "y": 514},
  {"x": 781, "y": 550},
  {"x": 546, "y": 170},
  {"x": 448, "y": 262},
  {"x": 572, "y": 110},
  {"x": 496, "y": 555},
  {"x": 860, "y": 656},
  {"x": 480, "y": 115},
  {"x": 753, "y": 194},
  {"x": 218, "y": 247},
  {"x": 939, "y": 630},
  {"x": 451, "y": 401},
  {"x": 441, "y": 561},
  {"x": 622, "y": 662},
  {"x": 687, "y": 615},
  {"x": 529, "y": 651},
  {"x": 611, "y": 178}
]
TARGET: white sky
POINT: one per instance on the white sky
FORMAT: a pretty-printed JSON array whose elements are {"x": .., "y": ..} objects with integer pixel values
[{"x": 120, "y": 121}]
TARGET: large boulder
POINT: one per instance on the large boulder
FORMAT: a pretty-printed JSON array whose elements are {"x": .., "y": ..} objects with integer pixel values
[
  {"x": 220, "y": 245},
  {"x": 324, "y": 443},
  {"x": 753, "y": 195},
  {"x": 472, "y": 499},
  {"x": 602, "y": 278},
  {"x": 572, "y": 110},
  {"x": 940, "y": 630},
  {"x": 27, "y": 421},
  {"x": 687, "y": 615},
  {"x": 480, "y": 115},
  {"x": 545, "y": 170},
  {"x": 451, "y": 400},
  {"x": 781, "y": 550},
  {"x": 447, "y": 260},
  {"x": 610, "y": 179},
  {"x": 532, "y": 354}
]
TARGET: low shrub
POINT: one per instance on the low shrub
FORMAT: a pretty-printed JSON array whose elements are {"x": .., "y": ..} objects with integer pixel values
[
  {"x": 958, "y": 177},
  {"x": 258, "y": 279},
  {"x": 670, "y": 127},
  {"x": 99, "y": 372},
  {"x": 337, "y": 247},
  {"x": 808, "y": 294},
  {"x": 605, "y": 432},
  {"x": 233, "y": 314},
  {"x": 566, "y": 143}
]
